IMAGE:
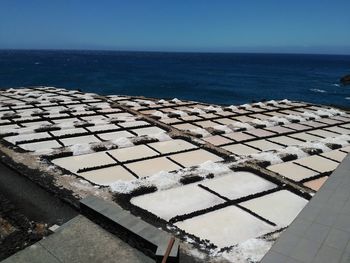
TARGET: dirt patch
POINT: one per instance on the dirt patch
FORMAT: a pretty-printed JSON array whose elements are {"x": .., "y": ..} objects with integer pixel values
[{"x": 16, "y": 231}]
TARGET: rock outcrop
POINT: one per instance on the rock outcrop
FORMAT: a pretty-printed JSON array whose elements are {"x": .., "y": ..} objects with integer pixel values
[{"x": 345, "y": 80}]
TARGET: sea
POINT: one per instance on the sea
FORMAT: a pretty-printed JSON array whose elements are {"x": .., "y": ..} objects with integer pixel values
[{"x": 220, "y": 78}]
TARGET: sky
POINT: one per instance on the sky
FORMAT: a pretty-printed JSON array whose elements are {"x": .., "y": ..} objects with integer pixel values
[{"x": 272, "y": 26}]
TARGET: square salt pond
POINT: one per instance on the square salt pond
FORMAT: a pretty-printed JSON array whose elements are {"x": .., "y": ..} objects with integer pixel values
[
  {"x": 130, "y": 124},
  {"x": 260, "y": 116},
  {"x": 177, "y": 201},
  {"x": 106, "y": 127},
  {"x": 172, "y": 146},
  {"x": 169, "y": 120},
  {"x": 133, "y": 153},
  {"x": 79, "y": 140},
  {"x": 225, "y": 121},
  {"x": 185, "y": 126},
  {"x": 217, "y": 140},
  {"x": 318, "y": 163},
  {"x": 196, "y": 157},
  {"x": 260, "y": 133},
  {"x": 206, "y": 124},
  {"x": 264, "y": 145},
  {"x": 335, "y": 155},
  {"x": 8, "y": 128},
  {"x": 37, "y": 146},
  {"x": 240, "y": 149},
  {"x": 27, "y": 137},
  {"x": 279, "y": 129},
  {"x": 68, "y": 131},
  {"x": 35, "y": 123},
  {"x": 148, "y": 131},
  {"x": 296, "y": 126},
  {"x": 323, "y": 133},
  {"x": 329, "y": 121},
  {"x": 243, "y": 118},
  {"x": 225, "y": 227},
  {"x": 152, "y": 166},
  {"x": 106, "y": 176},
  {"x": 292, "y": 171},
  {"x": 284, "y": 140},
  {"x": 239, "y": 136},
  {"x": 338, "y": 130},
  {"x": 74, "y": 163},
  {"x": 305, "y": 136},
  {"x": 115, "y": 135},
  {"x": 346, "y": 149},
  {"x": 317, "y": 183},
  {"x": 238, "y": 184},
  {"x": 280, "y": 207},
  {"x": 313, "y": 124}
]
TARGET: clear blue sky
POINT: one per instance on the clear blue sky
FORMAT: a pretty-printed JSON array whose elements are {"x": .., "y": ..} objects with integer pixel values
[{"x": 292, "y": 26}]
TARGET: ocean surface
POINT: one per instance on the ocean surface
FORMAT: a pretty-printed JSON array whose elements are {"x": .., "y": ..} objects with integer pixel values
[{"x": 222, "y": 78}]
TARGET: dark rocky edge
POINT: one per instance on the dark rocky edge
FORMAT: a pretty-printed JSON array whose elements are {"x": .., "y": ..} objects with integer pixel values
[
  {"x": 345, "y": 80},
  {"x": 23, "y": 232}
]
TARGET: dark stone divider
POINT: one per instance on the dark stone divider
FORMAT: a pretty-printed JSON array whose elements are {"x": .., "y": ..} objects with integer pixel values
[{"x": 139, "y": 234}]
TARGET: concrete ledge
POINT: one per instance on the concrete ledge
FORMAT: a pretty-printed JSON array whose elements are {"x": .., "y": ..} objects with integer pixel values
[
  {"x": 147, "y": 238},
  {"x": 321, "y": 232}
]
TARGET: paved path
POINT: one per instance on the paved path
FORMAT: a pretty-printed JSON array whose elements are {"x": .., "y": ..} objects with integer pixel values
[
  {"x": 321, "y": 232},
  {"x": 79, "y": 240}
]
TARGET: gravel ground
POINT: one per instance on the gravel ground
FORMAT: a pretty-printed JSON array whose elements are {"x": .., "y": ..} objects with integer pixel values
[{"x": 16, "y": 231}]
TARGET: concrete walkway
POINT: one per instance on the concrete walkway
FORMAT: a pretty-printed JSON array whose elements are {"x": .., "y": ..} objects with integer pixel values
[
  {"x": 79, "y": 240},
  {"x": 321, "y": 232}
]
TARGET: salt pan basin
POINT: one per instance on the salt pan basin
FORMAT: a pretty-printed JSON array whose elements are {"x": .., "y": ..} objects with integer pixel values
[
  {"x": 225, "y": 227},
  {"x": 176, "y": 201},
  {"x": 279, "y": 207},
  {"x": 238, "y": 184}
]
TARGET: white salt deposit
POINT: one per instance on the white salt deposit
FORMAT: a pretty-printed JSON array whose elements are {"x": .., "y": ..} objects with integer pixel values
[
  {"x": 273, "y": 102},
  {"x": 285, "y": 101},
  {"x": 266, "y": 156},
  {"x": 295, "y": 117},
  {"x": 122, "y": 142},
  {"x": 342, "y": 140},
  {"x": 224, "y": 128},
  {"x": 160, "y": 114},
  {"x": 179, "y": 112},
  {"x": 315, "y": 145},
  {"x": 200, "y": 131},
  {"x": 252, "y": 250},
  {"x": 247, "y": 106},
  {"x": 324, "y": 112},
  {"x": 260, "y": 104},
  {"x": 233, "y": 108},
  {"x": 212, "y": 108},
  {"x": 161, "y": 136},
  {"x": 242, "y": 125},
  {"x": 79, "y": 149},
  {"x": 309, "y": 114},
  {"x": 176, "y": 100},
  {"x": 197, "y": 110},
  {"x": 263, "y": 122},
  {"x": 293, "y": 150},
  {"x": 131, "y": 104}
]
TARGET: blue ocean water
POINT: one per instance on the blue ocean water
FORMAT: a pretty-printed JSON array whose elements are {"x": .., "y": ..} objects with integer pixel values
[{"x": 210, "y": 77}]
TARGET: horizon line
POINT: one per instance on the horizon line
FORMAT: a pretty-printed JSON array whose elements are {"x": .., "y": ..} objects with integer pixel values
[{"x": 174, "y": 51}]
